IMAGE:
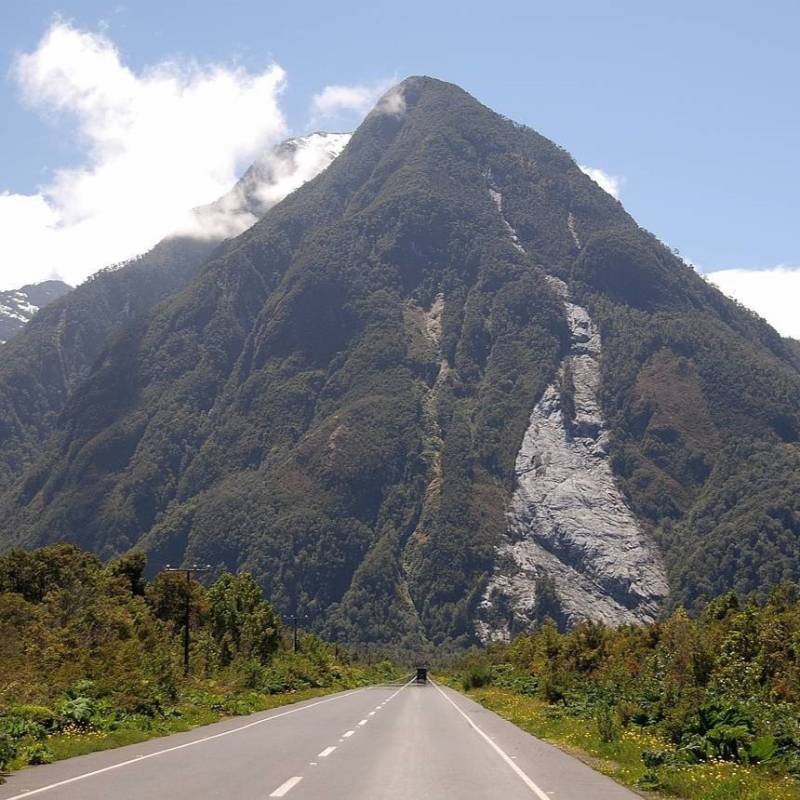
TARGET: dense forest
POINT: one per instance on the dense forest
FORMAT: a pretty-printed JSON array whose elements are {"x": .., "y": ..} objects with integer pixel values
[
  {"x": 335, "y": 401},
  {"x": 91, "y": 654},
  {"x": 44, "y": 363},
  {"x": 705, "y": 707}
]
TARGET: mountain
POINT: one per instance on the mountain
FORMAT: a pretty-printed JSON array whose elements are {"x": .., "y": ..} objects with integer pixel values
[
  {"x": 17, "y": 307},
  {"x": 444, "y": 389},
  {"x": 276, "y": 174},
  {"x": 794, "y": 347},
  {"x": 44, "y": 364}
]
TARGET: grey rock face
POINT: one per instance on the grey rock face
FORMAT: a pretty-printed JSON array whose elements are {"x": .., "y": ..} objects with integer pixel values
[
  {"x": 573, "y": 549},
  {"x": 430, "y": 323}
]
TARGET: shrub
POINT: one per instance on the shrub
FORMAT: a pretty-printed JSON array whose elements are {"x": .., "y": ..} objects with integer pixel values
[
  {"x": 77, "y": 711},
  {"x": 607, "y": 727},
  {"x": 653, "y": 758},
  {"x": 18, "y": 728},
  {"x": 475, "y": 676},
  {"x": 8, "y": 750},
  {"x": 40, "y": 715},
  {"x": 627, "y": 712},
  {"x": 719, "y": 731},
  {"x": 37, "y": 753}
]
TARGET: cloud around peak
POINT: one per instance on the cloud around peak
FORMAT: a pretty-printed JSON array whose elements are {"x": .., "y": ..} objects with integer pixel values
[
  {"x": 605, "y": 180},
  {"x": 157, "y": 142},
  {"x": 338, "y": 100},
  {"x": 771, "y": 292}
]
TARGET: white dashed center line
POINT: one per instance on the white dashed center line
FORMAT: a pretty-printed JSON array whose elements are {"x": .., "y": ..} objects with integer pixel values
[{"x": 287, "y": 787}]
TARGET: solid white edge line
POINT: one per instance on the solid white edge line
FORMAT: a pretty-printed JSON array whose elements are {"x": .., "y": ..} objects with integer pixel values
[
  {"x": 138, "y": 759},
  {"x": 520, "y": 774},
  {"x": 286, "y": 787},
  {"x": 326, "y": 752}
]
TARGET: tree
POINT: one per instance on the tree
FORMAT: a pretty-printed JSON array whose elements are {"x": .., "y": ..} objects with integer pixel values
[
  {"x": 242, "y": 622},
  {"x": 166, "y": 596},
  {"x": 131, "y": 567}
]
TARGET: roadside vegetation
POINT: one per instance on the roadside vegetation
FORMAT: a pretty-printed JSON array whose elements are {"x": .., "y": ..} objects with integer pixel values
[
  {"x": 704, "y": 708},
  {"x": 91, "y": 655}
]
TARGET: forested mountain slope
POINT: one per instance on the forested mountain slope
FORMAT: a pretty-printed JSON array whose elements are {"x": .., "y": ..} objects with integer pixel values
[
  {"x": 345, "y": 399},
  {"x": 44, "y": 363},
  {"x": 794, "y": 347}
]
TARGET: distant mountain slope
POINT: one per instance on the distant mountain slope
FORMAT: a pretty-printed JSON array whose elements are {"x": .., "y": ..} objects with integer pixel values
[
  {"x": 794, "y": 347},
  {"x": 45, "y": 362},
  {"x": 446, "y": 388},
  {"x": 17, "y": 307}
]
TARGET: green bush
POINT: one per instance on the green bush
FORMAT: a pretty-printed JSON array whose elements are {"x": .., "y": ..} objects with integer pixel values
[
  {"x": 724, "y": 686},
  {"x": 518, "y": 682},
  {"x": 607, "y": 727},
  {"x": 18, "y": 728},
  {"x": 476, "y": 676},
  {"x": 77, "y": 711},
  {"x": 719, "y": 731},
  {"x": 8, "y": 750},
  {"x": 41, "y": 715},
  {"x": 37, "y": 753}
]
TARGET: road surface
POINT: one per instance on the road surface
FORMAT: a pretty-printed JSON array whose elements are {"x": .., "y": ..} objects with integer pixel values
[{"x": 380, "y": 743}]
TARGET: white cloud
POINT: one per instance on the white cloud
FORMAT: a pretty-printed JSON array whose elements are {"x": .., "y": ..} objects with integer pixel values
[
  {"x": 773, "y": 293},
  {"x": 609, "y": 183},
  {"x": 274, "y": 175},
  {"x": 335, "y": 100},
  {"x": 393, "y": 102},
  {"x": 157, "y": 143},
  {"x": 309, "y": 156}
]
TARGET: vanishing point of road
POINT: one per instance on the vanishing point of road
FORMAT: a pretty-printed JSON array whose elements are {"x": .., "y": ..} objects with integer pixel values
[{"x": 406, "y": 742}]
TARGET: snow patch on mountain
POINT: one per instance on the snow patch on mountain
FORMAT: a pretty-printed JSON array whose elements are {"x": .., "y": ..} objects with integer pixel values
[{"x": 18, "y": 306}]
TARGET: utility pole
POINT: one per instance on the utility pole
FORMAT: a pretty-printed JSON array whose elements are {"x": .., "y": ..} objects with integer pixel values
[
  {"x": 187, "y": 607},
  {"x": 294, "y": 619}
]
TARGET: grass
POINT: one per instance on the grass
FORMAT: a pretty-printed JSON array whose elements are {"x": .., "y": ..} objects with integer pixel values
[
  {"x": 621, "y": 759},
  {"x": 203, "y": 708}
]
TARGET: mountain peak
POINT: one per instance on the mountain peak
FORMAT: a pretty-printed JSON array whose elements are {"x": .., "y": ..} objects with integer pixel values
[
  {"x": 275, "y": 174},
  {"x": 445, "y": 389}
]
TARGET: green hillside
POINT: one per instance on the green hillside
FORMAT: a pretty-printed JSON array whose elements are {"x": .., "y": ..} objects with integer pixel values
[{"x": 336, "y": 402}]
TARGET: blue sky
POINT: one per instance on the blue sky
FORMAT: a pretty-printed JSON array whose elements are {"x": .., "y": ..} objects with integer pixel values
[{"x": 693, "y": 106}]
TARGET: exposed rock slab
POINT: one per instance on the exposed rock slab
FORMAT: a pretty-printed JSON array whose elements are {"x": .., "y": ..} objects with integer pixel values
[{"x": 569, "y": 527}]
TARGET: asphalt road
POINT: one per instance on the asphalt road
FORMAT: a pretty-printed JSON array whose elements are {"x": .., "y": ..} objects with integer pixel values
[{"x": 381, "y": 743}]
